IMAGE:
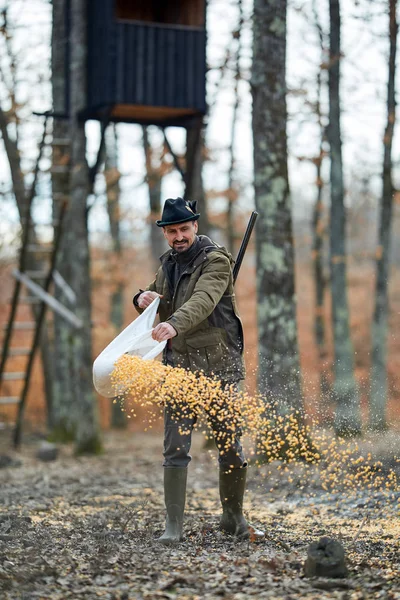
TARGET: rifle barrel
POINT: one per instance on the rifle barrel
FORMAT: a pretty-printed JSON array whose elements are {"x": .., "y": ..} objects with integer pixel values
[{"x": 244, "y": 244}]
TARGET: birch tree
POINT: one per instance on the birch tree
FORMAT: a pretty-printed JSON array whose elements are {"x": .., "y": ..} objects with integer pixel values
[
  {"x": 347, "y": 416},
  {"x": 279, "y": 369},
  {"x": 379, "y": 384}
]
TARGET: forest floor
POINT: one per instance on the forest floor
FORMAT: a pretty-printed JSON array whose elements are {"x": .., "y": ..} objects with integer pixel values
[{"x": 84, "y": 528}]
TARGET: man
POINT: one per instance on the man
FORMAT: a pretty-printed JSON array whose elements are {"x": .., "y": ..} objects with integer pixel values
[{"x": 200, "y": 321}]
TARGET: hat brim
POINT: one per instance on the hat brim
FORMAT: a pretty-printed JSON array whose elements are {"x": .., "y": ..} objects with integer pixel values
[{"x": 165, "y": 223}]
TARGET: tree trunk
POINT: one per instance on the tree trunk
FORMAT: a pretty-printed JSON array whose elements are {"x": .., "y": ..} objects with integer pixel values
[
  {"x": 63, "y": 422},
  {"x": 112, "y": 176},
  {"x": 154, "y": 181},
  {"x": 279, "y": 368},
  {"x": 379, "y": 384},
  {"x": 194, "y": 189},
  {"x": 232, "y": 185},
  {"x": 87, "y": 430},
  {"x": 347, "y": 416},
  {"x": 318, "y": 235}
]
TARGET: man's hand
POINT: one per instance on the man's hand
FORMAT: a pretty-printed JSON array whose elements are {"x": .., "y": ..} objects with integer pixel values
[
  {"x": 163, "y": 331},
  {"x": 146, "y": 298}
]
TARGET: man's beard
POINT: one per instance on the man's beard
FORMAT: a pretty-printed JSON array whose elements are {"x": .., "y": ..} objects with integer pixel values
[{"x": 182, "y": 247}]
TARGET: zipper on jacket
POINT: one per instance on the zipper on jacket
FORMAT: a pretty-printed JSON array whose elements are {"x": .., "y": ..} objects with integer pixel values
[{"x": 185, "y": 272}]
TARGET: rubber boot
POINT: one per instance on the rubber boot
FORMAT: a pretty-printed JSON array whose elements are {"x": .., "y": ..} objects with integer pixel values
[
  {"x": 175, "y": 496},
  {"x": 231, "y": 490}
]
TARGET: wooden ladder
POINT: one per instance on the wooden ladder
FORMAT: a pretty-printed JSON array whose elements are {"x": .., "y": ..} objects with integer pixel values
[{"x": 40, "y": 295}]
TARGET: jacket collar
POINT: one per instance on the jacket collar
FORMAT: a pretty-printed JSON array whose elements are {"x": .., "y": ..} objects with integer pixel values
[{"x": 205, "y": 245}]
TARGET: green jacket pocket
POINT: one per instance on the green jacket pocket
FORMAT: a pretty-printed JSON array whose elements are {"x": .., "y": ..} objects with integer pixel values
[{"x": 207, "y": 350}]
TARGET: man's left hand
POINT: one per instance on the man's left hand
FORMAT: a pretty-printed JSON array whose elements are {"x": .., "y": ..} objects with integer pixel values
[{"x": 163, "y": 331}]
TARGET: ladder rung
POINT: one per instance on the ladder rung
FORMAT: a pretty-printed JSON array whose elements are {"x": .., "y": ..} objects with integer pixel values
[
  {"x": 9, "y": 399},
  {"x": 36, "y": 274},
  {"x": 61, "y": 142},
  {"x": 22, "y": 325},
  {"x": 38, "y": 248},
  {"x": 14, "y": 376},
  {"x": 19, "y": 352}
]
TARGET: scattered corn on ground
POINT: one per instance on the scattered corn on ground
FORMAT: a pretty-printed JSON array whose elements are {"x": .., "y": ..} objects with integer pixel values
[{"x": 339, "y": 462}]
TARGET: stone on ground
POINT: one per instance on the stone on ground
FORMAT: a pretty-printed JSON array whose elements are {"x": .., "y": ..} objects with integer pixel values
[
  {"x": 325, "y": 558},
  {"x": 47, "y": 452}
]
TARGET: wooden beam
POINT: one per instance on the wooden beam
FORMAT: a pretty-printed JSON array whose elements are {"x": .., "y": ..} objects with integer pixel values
[
  {"x": 51, "y": 302},
  {"x": 9, "y": 399}
]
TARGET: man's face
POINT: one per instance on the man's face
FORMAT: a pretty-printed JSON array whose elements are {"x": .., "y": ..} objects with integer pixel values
[{"x": 181, "y": 236}]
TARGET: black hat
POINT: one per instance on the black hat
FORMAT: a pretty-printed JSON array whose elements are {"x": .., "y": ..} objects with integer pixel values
[{"x": 178, "y": 210}]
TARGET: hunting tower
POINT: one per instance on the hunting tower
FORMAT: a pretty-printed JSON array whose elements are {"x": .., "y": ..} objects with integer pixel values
[{"x": 146, "y": 61}]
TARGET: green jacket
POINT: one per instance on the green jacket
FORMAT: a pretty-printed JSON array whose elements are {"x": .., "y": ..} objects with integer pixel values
[{"x": 203, "y": 312}]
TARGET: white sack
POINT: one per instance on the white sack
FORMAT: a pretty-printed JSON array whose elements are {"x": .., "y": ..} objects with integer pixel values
[{"x": 135, "y": 340}]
